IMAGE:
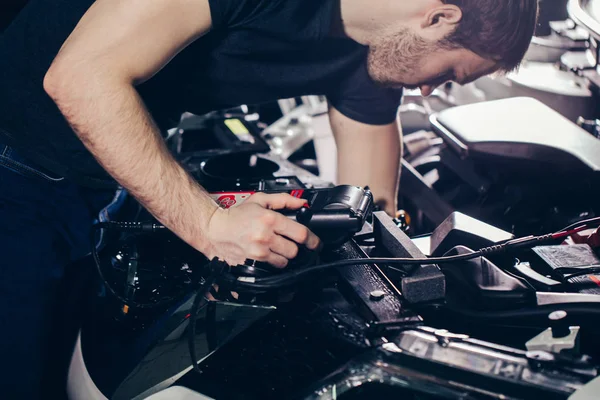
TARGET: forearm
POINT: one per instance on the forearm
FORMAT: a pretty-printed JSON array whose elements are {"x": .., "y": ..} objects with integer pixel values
[
  {"x": 376, "y": 164},
  {"x": 114, "y": 125},
  {"x": 369, "y": 156}
]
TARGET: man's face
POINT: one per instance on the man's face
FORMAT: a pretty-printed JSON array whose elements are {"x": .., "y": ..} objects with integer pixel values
[{"x": 406, "y": 60}]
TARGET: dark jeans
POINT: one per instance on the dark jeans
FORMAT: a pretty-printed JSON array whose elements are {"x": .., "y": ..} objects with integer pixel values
[{"x": 45, "y": 224}]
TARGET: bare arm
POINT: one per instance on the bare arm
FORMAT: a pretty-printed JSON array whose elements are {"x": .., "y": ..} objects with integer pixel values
[
  {"x": 369, "y": 155},
  {"x": 116, "y": 45}
]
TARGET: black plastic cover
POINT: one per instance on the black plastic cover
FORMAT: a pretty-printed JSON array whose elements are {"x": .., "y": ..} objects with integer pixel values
[{"x": 518, "y": 129}]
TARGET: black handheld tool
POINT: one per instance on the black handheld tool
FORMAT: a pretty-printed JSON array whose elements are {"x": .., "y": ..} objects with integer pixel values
[{"x": 334, "y": 214}]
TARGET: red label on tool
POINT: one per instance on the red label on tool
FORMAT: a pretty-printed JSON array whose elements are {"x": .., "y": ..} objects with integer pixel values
[
  {"x": 232, "y": 199},
  {"x": 297, "y": 193},
  {"x": 228, "y": 200}
]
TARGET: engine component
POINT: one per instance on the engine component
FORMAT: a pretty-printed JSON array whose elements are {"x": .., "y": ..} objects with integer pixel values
[
  {"x": 464, "y": 368},
  {"x": 519, "y": 131},
  {"x": 481, "y": 284},
  {"x": 558, "y": 337},
  {"x": 566, "y": 262},
  {"x": 501, "y": 168},
  {"x": 588, "y": 392},
  {"x": 592, "y": 126},
  {"x": 218, "y": 134},
  {"x": 427, "y": 283},
  {"x": 460, "y": 228}
]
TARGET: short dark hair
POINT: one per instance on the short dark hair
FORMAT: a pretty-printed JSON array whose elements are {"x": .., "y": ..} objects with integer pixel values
[{"x": 500, "y": 30}]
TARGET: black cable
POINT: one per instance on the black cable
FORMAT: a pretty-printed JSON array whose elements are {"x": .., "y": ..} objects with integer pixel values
[
  {"x": 136, "y": 226},
  {"x": 585, "y": 222},
  {"x": 292, "y": 277},
  {"x": 217, "y": 268}
]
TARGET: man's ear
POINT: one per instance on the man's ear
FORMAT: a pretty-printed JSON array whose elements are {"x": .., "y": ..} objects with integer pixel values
[{"x": 444, "y": 17}]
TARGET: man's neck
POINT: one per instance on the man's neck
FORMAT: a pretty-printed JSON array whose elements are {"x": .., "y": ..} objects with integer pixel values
[
  {"x": 350, "y": 23},
  {"x": 363, "y": 21}
]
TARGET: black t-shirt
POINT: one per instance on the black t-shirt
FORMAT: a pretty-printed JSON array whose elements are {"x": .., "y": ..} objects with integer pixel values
[{"x": 257, "y": 51}]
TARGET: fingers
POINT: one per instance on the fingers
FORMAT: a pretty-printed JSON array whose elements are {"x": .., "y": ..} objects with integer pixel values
[
  {"x": 277, "y": 250},
  {"x": 263, "y": 254},
  {"x": 276, "y": 260},
  {"x": 283, "y": 247},
  {"x": 296, "y": 232},
  {"x": 277, "y": 201}
]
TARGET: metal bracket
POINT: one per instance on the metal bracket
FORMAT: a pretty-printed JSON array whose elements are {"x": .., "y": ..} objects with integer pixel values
[{"x": 546, "y": 342}]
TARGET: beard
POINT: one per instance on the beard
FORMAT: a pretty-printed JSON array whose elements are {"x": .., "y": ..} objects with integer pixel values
[{"x": 396, "y": 56}]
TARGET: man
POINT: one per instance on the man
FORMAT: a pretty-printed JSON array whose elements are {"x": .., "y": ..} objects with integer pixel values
[{"x": 86, "y": 87}]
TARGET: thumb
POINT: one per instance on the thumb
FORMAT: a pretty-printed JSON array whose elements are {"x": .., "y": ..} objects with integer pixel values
[{"x": 278, "y": 201}]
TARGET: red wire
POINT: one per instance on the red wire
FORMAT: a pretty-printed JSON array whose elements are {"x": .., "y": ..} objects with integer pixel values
[{"x": 560, "y": 235}]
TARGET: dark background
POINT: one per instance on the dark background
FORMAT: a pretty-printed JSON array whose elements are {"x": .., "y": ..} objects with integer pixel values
[{"x": 8, "y": 10}]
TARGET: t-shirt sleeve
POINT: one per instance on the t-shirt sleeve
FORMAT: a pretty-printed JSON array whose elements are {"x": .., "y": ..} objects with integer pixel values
[
  {"x": 358, "y": 97},
  {"x": 236, "y": 13}
]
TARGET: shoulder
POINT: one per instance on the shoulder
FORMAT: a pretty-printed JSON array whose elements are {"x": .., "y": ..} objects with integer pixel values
[{"x": 240, "y": 13}]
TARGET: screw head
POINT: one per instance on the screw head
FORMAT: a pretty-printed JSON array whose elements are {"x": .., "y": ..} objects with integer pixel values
[{"x": 377, "y": 295}]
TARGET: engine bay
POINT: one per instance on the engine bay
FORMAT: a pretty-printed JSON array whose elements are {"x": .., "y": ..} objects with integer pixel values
[{"x": 467, "y": 311}]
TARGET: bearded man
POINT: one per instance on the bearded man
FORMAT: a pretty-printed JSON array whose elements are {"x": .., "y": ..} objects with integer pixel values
[{"x": 86, "y": 87}]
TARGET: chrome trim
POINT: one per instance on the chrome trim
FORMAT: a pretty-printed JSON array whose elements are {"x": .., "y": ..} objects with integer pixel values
[
  {"x": 365, "y": 204},
  {"x": 545, "y": 298}
]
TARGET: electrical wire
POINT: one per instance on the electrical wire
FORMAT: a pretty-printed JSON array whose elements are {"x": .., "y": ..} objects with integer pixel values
[
  {"x": 291, "y": 278},
  {"x": 587, "y": 223},
  {"x": 566, "y": 233}
]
